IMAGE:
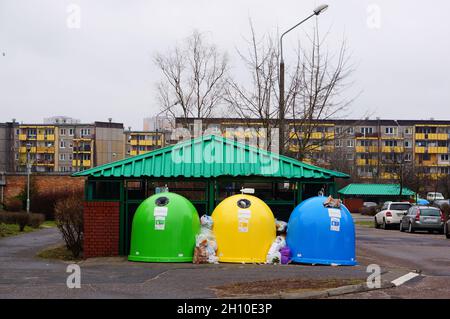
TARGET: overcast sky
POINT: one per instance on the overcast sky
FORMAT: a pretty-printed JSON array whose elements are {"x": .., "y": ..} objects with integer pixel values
[{"x": 104, "y": 68}]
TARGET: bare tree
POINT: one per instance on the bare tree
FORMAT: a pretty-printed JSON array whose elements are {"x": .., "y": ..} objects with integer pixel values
[
  {"x": 258, "y": 100},
  {"x": 193, "y": 78},
  {"x": 314, "y": 89},
  {"x": 315, "y": 93}
]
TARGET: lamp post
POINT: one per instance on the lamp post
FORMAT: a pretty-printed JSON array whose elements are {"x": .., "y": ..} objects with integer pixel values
[
  {"x": 282, "y": 105},
  {"x": 28, "y": 146}
]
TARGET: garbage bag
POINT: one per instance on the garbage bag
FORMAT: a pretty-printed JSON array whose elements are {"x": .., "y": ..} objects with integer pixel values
[
  {"x": 281, "y": 226},
  {"x": 285, "y": 255},
  {"x": 206, "y": 221},
  {"x": 274, "y": 256}
]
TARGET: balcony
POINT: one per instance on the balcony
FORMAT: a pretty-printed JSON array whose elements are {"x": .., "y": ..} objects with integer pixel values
[
  {"x": 43, "y": 137},
  {"x": 81, "y": 163},
  {"x": 45, "y": 150},
  {"x": 392, "y": 149},
  {"x": 367, "y": 136},
  {"x": 366, "y": 149},
  {"x": 432, "y": 136},
  {"x": 368, "y": 162},
  {"x": 388, "y": 176},
  {"x": 437, "y": 150},
  {"x": 44, "y": 163},
  {"x": 431, "y": 150},
  {"x": 23, "y": 149}
]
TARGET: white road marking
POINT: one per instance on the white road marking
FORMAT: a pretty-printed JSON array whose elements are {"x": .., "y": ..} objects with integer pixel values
[{"x": 401, "y": 280}]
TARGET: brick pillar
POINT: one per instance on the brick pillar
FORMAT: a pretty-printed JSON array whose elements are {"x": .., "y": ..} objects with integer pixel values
[{"x": 101, "y": 229}]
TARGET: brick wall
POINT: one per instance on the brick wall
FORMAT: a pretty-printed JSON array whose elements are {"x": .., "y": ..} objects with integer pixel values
[
  {"x": 101, "y": 229},
  {"x": 353, "y": 204},
  {"x": 15, "y": 184}
]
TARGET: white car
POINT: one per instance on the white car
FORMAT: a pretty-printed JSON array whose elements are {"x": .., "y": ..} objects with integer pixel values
[
  {"x": 432, "y": 196},
  {"x": 391, "y": 214}
]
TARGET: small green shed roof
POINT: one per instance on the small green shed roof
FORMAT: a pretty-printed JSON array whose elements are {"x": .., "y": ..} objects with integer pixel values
[
  {"x": 374, "y": 190},
  {"x": 210, "y": 156}
]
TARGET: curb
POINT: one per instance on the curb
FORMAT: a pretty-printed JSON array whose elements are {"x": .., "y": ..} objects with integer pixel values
[{"x": 333, "y": 292}]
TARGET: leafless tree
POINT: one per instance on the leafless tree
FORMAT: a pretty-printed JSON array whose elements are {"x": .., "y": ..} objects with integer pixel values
[
  {"x": 193, "y": 78},
  {"x": 314, "y": 91},
  {"x": 315, "y": 94},
  {"x": 257, "y": 100}
]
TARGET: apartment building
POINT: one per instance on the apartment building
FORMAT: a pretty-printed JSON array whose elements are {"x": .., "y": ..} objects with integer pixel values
[
  {"x": 141, "y": 142},
  {"x": 61, "y": 144},
  {"x": 8, "y": 145},
  {"x": 374, "y": 149}
]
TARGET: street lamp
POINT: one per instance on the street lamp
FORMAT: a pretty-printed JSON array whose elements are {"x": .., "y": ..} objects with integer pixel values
[
  {"x": 28, "y": 147},
  {"x": 282, "y": 105}
]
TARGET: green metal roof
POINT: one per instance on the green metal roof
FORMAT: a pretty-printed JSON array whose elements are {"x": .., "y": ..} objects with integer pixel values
[
  {"x": 375, "y": 190},
  {"x": 210, "y": 156}
]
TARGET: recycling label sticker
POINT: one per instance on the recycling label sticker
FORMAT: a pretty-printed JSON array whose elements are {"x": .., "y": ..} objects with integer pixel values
[
  {"x": 335, "y": 224},
  {"x": 243, "y": 220},
  {"x": 160, "y": 222},
  {"x": 160, "y": 214}
]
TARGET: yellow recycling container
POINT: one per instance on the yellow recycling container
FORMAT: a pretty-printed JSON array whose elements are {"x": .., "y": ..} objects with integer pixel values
[{"x": 244, "y": 227}]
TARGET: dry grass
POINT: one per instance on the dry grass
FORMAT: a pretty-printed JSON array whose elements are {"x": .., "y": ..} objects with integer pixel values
[{"x": 270, "y": 287}]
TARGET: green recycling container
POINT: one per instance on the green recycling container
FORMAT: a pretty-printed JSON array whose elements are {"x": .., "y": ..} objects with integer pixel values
[{"x": 164, "y": 229}]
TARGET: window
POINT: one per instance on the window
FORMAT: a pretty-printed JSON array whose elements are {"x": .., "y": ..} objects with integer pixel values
[
  {"x": 338, "y": 130},
  {"x": 349, "y": 156},
  {"x": 17, "y": 132},
  {"x": 62, "y": 131},
  {"x": 408, "y": 130},
  {"x": 338, "y": 143},
  {"x": 85, "y": 131},
  {"x": 389, "y": 130},
  {"x": 62, "y": 157},
  {"x": 71, "y": 131},
  {"x": 366, "y": 143},
  {"x": 408, "y": 157},
  {"x": 408, "y": 144},
  {"x": 350, "y": 130},
  {"x": 62, "y": 144},
  {"x": 444, "y": 157},
  {"x": 366, "y": 130},
  {"x": 350, "y": 143},
  {"x": 390, "y": 143}
]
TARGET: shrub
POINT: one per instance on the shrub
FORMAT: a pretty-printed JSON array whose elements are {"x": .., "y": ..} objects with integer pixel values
[
  {"x": 369, "y": 211},
  {"x": 446, "y": 211},
  {"x": 44, "y": 203},
  {"x": 13, "y": 205},
  {"x": 22, "y": 219},
  {"x": 69, "y": 220},
  {"x": 36, "y": 220}
]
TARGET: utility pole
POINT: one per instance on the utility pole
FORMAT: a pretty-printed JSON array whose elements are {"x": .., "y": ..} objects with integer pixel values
[{"x": 282, "y": 104}]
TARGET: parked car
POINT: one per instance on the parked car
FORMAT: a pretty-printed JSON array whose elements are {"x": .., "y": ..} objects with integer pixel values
[
  {"x": 447, "y": 228},
  {"x": 422, "y": 218},
  {"x": 391, "y": 214},
  {"x": 432, "y": 196},
  {"x": 368, "y": 208},
  {"x": 438, "y": 203}
]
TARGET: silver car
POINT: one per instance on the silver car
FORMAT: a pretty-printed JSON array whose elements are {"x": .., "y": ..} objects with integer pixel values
[{"x": 422, "y": 218}]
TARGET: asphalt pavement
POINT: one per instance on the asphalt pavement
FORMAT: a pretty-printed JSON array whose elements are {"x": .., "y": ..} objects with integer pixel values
[{"x": 22, "y": 275}]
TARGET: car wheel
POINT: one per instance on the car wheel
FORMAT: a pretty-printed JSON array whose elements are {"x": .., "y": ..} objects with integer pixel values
[
  {"x": 384, "y": 226},
  {"x": 375, "y": 223},
  {"x": 401, "y": 227},
  {"x": 447, "y": 232},
  {"x": 410, "y": 228}
]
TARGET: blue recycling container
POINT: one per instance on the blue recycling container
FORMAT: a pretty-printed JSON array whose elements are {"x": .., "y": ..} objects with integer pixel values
[{"x": 320, "y": 235}]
